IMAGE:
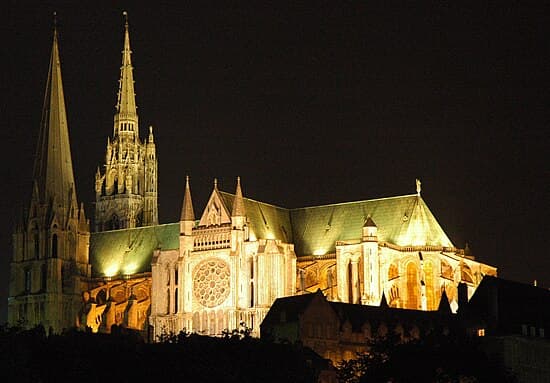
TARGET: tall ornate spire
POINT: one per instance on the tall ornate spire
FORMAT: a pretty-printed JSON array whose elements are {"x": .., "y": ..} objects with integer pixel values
[
  {"x": 126, "y": 190},
  {"x": 126, "y": 118},
  {"x": 187, "y": 213},
  {"x": 238, "y": 203},
  {"x": 53, "y": 167}
]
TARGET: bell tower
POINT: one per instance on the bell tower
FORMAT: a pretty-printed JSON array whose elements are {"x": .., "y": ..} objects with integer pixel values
[
  {"x": 126, "y": 187},
  {"x": 50, "y": 268}
]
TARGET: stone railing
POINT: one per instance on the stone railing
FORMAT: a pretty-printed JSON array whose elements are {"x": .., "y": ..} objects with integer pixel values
[{"x": 217, "y": 237}]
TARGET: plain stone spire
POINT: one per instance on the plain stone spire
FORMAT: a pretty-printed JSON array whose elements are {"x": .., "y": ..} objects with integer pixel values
[{"x": 53, "y": 168}]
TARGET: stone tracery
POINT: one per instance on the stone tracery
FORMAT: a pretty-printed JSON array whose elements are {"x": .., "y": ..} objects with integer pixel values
[{"x": 211, "y": 282}]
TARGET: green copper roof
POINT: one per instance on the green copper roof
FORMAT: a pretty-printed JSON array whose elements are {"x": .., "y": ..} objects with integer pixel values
[
  {"x": 130, "y": 251},
  {"x": 403, "y": 221},
  {"x": 264, "y": 220}
]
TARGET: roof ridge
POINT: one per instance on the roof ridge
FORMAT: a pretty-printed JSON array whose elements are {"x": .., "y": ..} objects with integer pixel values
[
  {"x": 353, "y": 202},
  {"x": 326, "y": 205},
  {"x": 254, "y": 200}
]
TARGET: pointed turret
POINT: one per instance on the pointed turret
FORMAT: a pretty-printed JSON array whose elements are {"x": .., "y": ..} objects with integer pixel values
[
  {"x": 238, "y": 214},
  {"x": 187, "y": 219},
  {"x": 187, "y": 213},
  {"x": 370, "y": 230},
  {"x": 238, "y": 203},
  {"x": 53, "y": 167},
  {"x": 126, "y": 118}
]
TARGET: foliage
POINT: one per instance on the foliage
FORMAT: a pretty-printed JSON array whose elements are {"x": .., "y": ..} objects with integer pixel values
[
  {"x": 79, "y": 356},
  {"x": 432, "y": 359}
]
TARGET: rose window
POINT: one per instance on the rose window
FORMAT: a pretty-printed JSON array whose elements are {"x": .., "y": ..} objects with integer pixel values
[{"x": 211, "y": 282}]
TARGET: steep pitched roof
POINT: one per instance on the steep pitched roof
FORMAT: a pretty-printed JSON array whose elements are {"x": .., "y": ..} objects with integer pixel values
[
  {"x": 129, "y": 251},
  {"x": 403, "y": 221},
  {"x": 506, "y": 305},
  {"x": 292, "y": 307},
  {"x": 264, "y": 220}
]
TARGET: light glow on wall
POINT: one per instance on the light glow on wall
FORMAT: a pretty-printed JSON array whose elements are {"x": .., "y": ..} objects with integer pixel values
[
  {"x": 112, "y": 269},
  {"x": 130, "y": 268}
]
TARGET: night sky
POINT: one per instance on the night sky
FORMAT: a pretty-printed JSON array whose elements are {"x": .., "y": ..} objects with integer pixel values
[{"x": 309, "y": 104}]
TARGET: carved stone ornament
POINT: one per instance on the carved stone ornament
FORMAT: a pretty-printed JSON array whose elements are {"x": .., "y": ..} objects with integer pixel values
[{"x": 211, "y": 282}]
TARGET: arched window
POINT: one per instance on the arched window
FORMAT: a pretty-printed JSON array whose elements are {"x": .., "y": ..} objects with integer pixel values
[
  {"x": 350, "y": 283},
  {"x": 393, "y": 272},
  {"x": 36, "y": 243},
  {"x": 466, "y": 274},
  {"x": 167, "y": 301},
  {"x": 329, "y": 283},
  {"x": 429, "y": 280},
  {"x": 413, "y": 286},
  {"x": 251, "y": 293},
  {"x": 54, "y": 246},
  {"x": 446, "y": 270}
]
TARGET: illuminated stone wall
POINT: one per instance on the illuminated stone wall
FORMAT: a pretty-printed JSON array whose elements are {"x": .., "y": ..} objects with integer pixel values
[
  {"x": 406, "y": 280},
  {"x": 121, "y": 302},
  {"x": 220, "y": 277}
]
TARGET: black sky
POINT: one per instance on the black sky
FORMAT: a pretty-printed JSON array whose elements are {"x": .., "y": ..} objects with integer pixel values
[{"x": 315, "y": 103}]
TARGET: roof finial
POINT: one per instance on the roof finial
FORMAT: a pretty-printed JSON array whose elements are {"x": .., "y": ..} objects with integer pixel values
[
  {"x": 54, "y": 20},
  {"x": 418, "y": 187},
  {"x": 215, "y": 183},
  {"x": 125, "y": 14}
]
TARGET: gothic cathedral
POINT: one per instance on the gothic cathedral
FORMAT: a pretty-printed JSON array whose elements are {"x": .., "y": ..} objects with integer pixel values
[{"x": 219, "y": 270}]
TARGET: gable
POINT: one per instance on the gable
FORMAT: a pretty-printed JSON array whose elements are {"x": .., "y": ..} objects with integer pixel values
[{"x": 216, "y": 212}]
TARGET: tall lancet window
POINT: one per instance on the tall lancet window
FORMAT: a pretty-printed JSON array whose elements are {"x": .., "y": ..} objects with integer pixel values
[
  {"x": 350, "y": 283},
  {"x": 54, "y": 246},
  {"x": 36, "y": 243},
  {"x": 43, "y": 277},
  {"x": 28, "y": 280},
  {"x": 251, "y": 262},
  {"x": 413, "y": 286}
]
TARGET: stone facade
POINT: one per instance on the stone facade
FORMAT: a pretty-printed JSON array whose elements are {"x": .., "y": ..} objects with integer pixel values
[
  {"x": 50, "y": 265},
  {"x": 219, "y": 277}
]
